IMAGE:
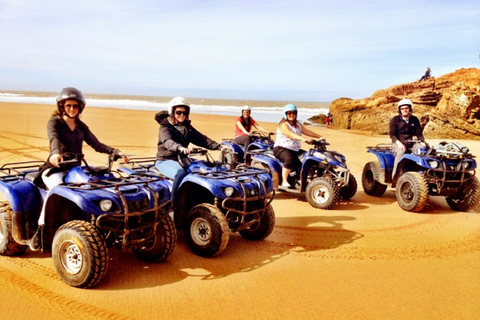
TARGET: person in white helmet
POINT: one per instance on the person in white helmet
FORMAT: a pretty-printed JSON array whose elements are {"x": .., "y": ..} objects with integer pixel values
[
  {"x": 174, "y": 136},
  {"x": 404, "y": 127},
  {"x": 244, "y": 126}
]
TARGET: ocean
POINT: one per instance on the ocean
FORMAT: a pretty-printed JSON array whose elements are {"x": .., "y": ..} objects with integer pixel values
[{"x": 262, "y": 111}]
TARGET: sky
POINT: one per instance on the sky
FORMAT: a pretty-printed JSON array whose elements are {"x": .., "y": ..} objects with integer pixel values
[{"x": 252, "y": 49}]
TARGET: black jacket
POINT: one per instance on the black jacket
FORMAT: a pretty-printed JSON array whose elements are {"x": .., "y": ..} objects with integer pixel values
[
  {"x": 401, "y": 130},
  {"x": 170, "y": 139}
]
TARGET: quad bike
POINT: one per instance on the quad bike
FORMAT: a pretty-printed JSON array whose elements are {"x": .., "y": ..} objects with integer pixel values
[
  {"x": 234, "y": 154},
  {"x": 323, "y": 176},
  {"x": 95, "y": 208},
  {"x": 214, "y": 200},
  {"x": 447, "y": 169}
]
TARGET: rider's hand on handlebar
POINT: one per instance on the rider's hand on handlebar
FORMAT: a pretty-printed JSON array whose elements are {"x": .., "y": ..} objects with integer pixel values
[
  {"x": 184, "y": 150},
  {"x": 124, "y": 157},
  {"x": 55, "y": 160}
]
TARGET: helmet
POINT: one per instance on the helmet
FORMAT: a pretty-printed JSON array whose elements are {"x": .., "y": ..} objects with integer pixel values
[
  {"x": 246, "y": 108},
  {"x": 70, "y": 93},
  {"x": 177, "y": 102},
  {"x": 289, "y": 107},
  {"x": 405, "y": 102}
]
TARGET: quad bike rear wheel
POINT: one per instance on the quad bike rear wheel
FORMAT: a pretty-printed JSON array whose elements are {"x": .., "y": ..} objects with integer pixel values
[
  {"x": 467, "y": 196},
  {"x": 370, "y": 180},
  {"x": 79, "y": 254},
  {"x": 322, "y": 193},
  {"x": 347, "y": 192},
  {"x": 261, "y": 229},
  {"x": 412, "y": 191},
  {"x": 162, "y": 244},
  {"x": 207, "y": 230},
  {"x": 8, "y": 246}
]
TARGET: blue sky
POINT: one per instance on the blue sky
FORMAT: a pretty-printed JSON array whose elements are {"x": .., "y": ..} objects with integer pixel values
[{"x": 268, "y": 50}]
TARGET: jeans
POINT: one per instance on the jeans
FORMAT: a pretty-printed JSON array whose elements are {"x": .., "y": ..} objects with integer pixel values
[{"x": 173, "y": 170}]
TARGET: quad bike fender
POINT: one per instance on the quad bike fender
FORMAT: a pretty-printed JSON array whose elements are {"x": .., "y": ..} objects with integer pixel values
[
  {"x": 258, "y": 145},
  {"x": 273, "y": 164},
  {"x": 86, "y": 200},
  {"x": 233, "y": 146},
  {"x": 213, "y": 186},
  {"x": 385, "y": 159},
  {"x": 22, "y": 195}
]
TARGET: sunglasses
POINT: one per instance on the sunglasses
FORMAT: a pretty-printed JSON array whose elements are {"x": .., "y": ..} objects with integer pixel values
[
  {"x": 74, "y": 106},
  {"x": 179, "y": 113},
  {"x": 291, "y": 112}
]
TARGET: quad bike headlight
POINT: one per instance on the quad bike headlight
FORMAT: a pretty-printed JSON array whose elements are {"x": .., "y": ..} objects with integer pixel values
[
  {"x": 433, "y": 164},
  {"x": 106, "y": 205},
  {"x": 229, "y": 191}
]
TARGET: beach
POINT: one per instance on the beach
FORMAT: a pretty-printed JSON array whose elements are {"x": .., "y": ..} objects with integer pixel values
[{"x": 365, "y": 259}]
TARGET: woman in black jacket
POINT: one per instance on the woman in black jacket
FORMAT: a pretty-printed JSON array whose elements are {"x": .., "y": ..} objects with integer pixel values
[{"x": 175, "y": 134}]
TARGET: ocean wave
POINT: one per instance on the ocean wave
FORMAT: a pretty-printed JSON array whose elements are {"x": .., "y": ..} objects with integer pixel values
[{"x": 258, "y": 113}]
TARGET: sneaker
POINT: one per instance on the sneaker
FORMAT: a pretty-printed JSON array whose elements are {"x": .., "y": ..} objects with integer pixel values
[{"x": 284, "y": 186}]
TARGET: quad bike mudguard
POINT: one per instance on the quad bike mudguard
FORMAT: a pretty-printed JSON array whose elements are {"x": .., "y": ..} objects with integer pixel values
[{"x": 22, "y": 195}]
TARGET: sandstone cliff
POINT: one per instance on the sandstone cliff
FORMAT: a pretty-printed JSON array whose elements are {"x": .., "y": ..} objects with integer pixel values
[{"x": 448, "y": 106}]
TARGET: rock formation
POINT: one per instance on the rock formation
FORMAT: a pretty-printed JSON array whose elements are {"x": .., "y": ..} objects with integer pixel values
[{"x": 448, "y": 106}]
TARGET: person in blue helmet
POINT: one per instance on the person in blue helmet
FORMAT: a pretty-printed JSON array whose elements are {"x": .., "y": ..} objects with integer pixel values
[{"x": 288, "y": 143}]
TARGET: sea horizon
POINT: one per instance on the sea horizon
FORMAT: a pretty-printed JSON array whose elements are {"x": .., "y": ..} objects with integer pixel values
[{"x": 262, "y": 110}]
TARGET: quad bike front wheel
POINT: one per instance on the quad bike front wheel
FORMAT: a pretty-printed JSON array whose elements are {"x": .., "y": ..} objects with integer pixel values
[
  {"x": 79, "y": 254},
  {"x": 261, "y": 229},
  {"x": 162, "y": 245},
  {"x": 467, "y": 197},
  {"x": 322, "y": 193},
  {"x": 347, "y": 192},
  {"x": 370, "y": 177},
  {"x": 207, "y": 230},
  {"x": 412, "y": 191},
  {"x": 8, "y": 246}
]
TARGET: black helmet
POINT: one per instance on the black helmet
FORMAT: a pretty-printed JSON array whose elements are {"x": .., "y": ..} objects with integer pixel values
[{"x": 70, "y": 93}]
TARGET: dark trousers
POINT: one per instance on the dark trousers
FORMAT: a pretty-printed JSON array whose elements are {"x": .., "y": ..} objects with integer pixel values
[{"x": 288, "y": 157}]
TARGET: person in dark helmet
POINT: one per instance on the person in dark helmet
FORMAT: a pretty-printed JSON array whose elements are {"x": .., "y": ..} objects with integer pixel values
[
  {"x": 175, "y": 135},
  {"x": 288, "y": 142},
  {"x": 403, "y": 127},
  {"x": 66, "y": 134},
  {"x": 244, "y": 126}
]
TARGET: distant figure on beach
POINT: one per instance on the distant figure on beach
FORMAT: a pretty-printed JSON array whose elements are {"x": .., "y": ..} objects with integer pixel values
[
  {"x": 243, "y": 128},
  {"x": 174, "y": 136},
  {"x": 327, "y": 119},
  {"x": 330, "y": 118},
  {"x": 66, "y": 133},
  {"x": 404, "y": 127},
  {"x": 426, "y": 75},
  {"x": 288, "y": 142}
]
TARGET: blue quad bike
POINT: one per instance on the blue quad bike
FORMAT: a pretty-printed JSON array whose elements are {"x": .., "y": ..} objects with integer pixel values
[
  {"x": 323, "y": 176},
  {"x": 447, "y": 169},
  {"x": 215, "y": 200},
  {"x": 234, "y": 154},
  {"x": 94, "y": 209}
]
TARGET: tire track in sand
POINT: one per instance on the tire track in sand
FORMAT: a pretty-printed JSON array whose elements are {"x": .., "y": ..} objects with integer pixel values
[
  {"x": 401, "y": 242},
  {"x": 66, "y": 307}
]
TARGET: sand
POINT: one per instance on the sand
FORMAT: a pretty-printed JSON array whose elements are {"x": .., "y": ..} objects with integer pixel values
[{"x": 366, "y": 259}]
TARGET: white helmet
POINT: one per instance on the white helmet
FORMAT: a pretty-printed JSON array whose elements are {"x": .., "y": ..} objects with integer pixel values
[
  {"x": 405, "y": 102},
  {"x": 177, "y": 102},
  {"x": 246, "y": 108}
]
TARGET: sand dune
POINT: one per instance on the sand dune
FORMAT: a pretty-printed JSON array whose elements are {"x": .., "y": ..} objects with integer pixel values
[{"x": 365, "y": 259}]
